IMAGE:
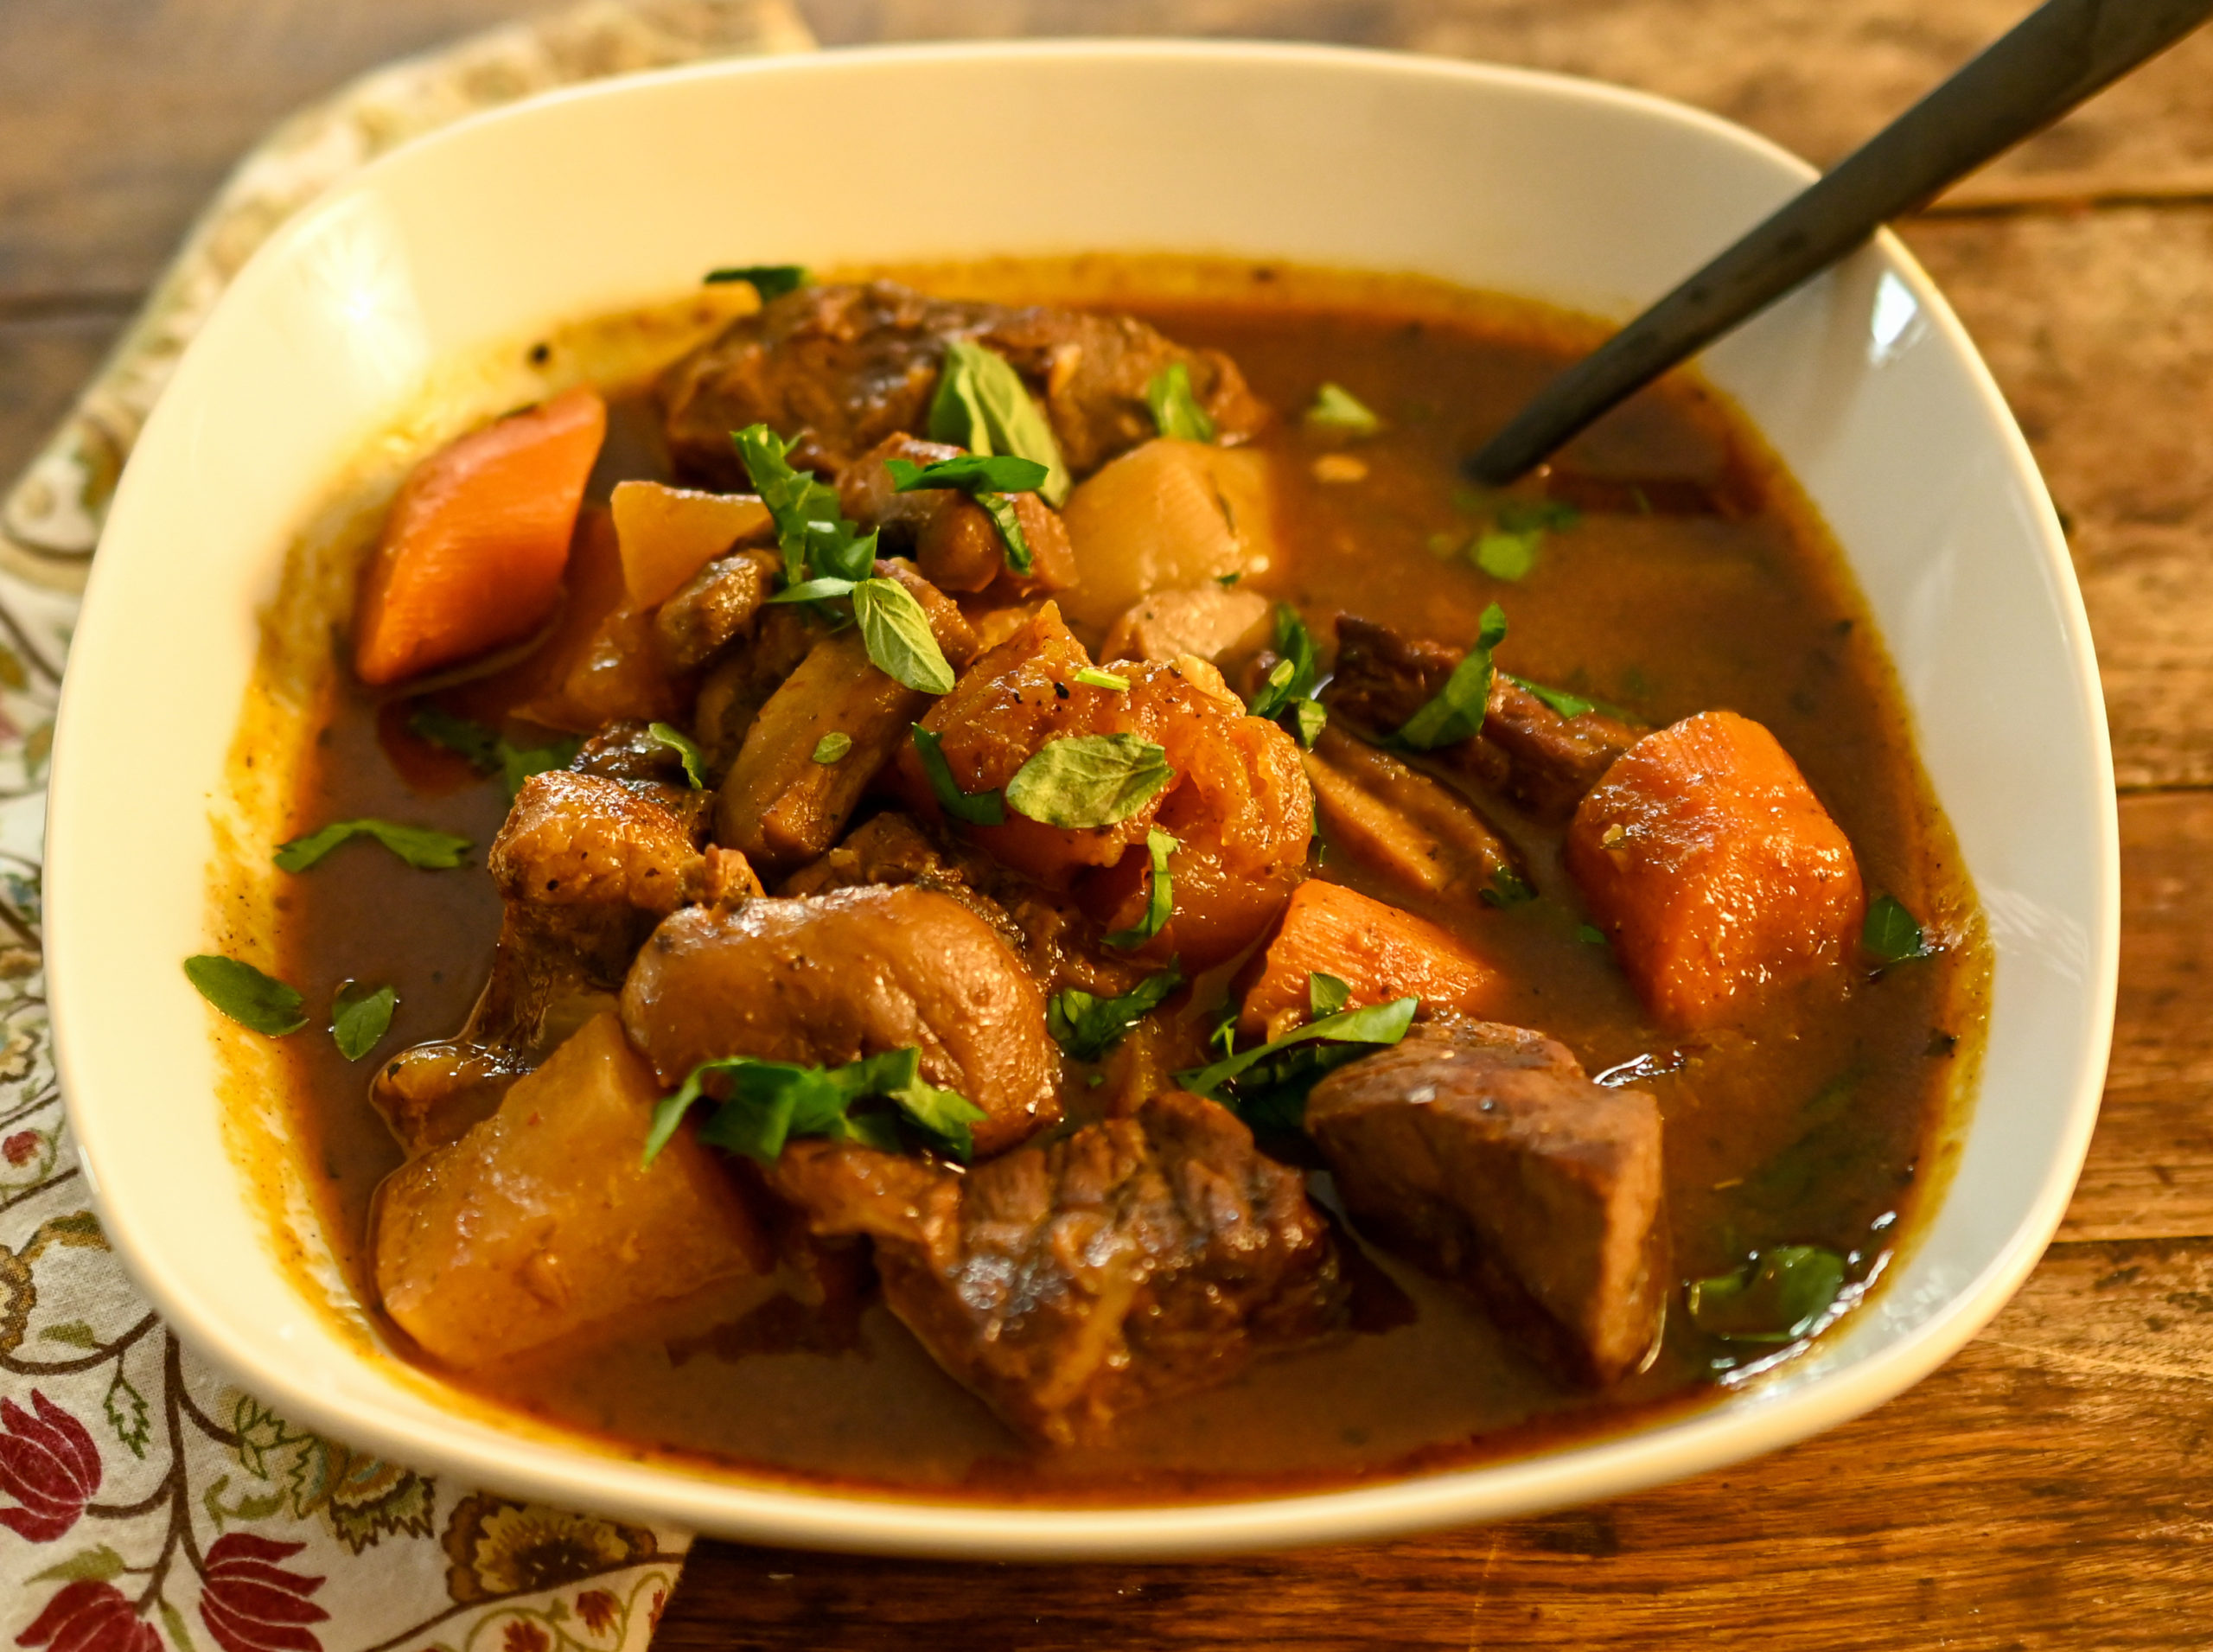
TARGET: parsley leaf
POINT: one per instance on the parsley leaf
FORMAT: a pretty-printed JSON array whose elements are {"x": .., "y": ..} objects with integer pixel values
[
  {"x": 1175, "y": 409},
  {"x": 360, "y": 1015},
  {"x": 1379, "y": 1023},
  {"x": 1776, "y": 1296},
  {"x": 1325, "y": 995},
  {"x": 1088, "y": 1027},
  {"x": 1292, "y": 677},
  {"x": 832, "y": 746},
  {"x": 1559, "y": 700},
  {"x": 1507, "y": 555},
  {"x": 768, "y": 280},
  {"x": 766, "y": 1103},
  {"x": 1267, "y": 1087},
  {"x": 244, "y": 994},
  {"x": 694, "y": 760},
  {"x": 1311, "y": 716},
  {"x": 1456, "y": 711},
  {"x": 418, "y": 846},
  {"x": 487, "y": 752},
  {"x": 1089, "y": 780},
  {"x": 898, "y": 636},
  {"x": 1160, "y": 846},
  {"x": 1000, "y": 473},
  {"x": 1508, "y": 888},
  {"x": 1891, "y": 933},
  {"x": 1338, "y": 411},
  {"x": 813, "y": 532},
  {"x": 982, "y": 404},
  {"x": 977, "y": 808}
]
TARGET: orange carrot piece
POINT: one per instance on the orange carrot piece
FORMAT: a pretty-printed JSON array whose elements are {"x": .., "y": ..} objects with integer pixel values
[
  {"x": 1378, "y": 951},
  {"x": 1715, "y": 870},
  {"x": 473, "y": 551},
  {"x": 670, "y": 534}
]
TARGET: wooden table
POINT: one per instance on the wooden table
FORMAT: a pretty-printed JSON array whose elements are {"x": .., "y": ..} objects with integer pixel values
[{"x": 2053, "y": 1486}]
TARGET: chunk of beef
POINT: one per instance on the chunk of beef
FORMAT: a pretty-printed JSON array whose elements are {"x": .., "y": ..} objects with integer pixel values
[
  {"x": 1069, "y": 1283},
  {"x": 1715, "y": 869},
  {"x": 952, "y": 539},
  {"x": 628, "y": 751},
  {"x": 841, "y": 367},
  {"x": 1398, "y": 821},
  {"x": 1053, "y": 937},
  {"x": 832, "y": 978},
  {"x": 1526, "y": 750},
  {"x": 1212, "y": 622},
  {"x": 542, "y": 1219},
  {"x": 778, "y": 805},
  {"x": 585, "y": 867},
  {"x": 739, "y": 683},
  {"x": 714, "y": 607},
  {"x": 1238, "y": 805},
  {"x": 1483, "y": 1153}
]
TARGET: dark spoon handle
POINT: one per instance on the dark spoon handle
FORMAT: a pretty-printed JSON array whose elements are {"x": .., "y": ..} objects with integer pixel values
[{"x": 2052, "y": 59}]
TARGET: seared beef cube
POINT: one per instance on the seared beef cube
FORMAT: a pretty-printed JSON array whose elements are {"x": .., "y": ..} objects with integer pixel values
[
  {"x": 953, "y": 539},
  {"x": 714, "y": 607},
  {"x": 1484, "y": 1154},
  {"x": 778, "y": 804},
  {"x": 1715, "y": 869},
  {"x": 543, "y": 1219},
  {"x": 1543, "y": 761},
  {"x": 842, "y": 367},
  {"x": 1069, "y": 1283},
  {"x": 826, "y": 980}
]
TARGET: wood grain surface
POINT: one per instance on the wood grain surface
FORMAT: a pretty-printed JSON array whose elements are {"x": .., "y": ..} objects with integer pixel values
[{"x": 2053, "y": 1486}]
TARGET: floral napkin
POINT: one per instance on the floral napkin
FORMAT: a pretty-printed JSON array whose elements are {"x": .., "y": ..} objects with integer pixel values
[{"x": 149, "y": 1505}]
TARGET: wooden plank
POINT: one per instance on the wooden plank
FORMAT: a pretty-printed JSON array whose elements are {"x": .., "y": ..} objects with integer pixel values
[
  {"x": 2150, "y": 1170},
  {"x": 123, "y": 115},
  {"x": 1818, "y": 76},
  {"x": 2100, "y": 327},
  {"x": 2044, "y": 1490},
  {"x": 43, "y": 359}
]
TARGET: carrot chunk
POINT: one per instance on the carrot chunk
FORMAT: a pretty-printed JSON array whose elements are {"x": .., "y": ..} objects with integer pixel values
[
  {"x": 473, "y": 551},
  {"x": 1715, "y": 869},
  {"x": 1378, "y": 951},
  {"x": 668, "y": 534}
]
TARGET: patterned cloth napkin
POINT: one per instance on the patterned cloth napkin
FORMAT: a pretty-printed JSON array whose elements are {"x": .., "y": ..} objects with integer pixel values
[{"x": 149, "y": 1505}]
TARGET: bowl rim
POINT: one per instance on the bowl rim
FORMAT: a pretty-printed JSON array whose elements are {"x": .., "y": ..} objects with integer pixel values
[{"x": 844, "y": 1518}]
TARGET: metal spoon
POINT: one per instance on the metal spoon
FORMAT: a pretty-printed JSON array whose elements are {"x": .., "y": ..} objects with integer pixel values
[{"x": 2054, "y": 59}]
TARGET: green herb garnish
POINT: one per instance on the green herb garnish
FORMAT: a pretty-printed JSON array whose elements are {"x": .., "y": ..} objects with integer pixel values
[
  {"x": 767, "y": 1103},
  {"x": 1893, "y": 935},
  {"x": 1093, "y": 677},
  {"x": 1175, "y": 409},
  {"x": 1088, "y": 1027},
  {"x": 1325, "y": 995},
  {"x": 832, "y": 746},
  {"x": 488, "y": 752},
  {"x": 982, "y": 404},
  {"x": 768, "y": 280},
  {"x": 244, "y": 994},
  {"x": 1160, "y": 846},
  {"x": 694, "y": 760},
  {"x": 898, "y": 636},
  {"x": 811, "y": 530},
  {"x": 418, "y": 846},
  {"x": 1338, "y": 411},
  {"x": 1776, "y": 1296},
  {"x": 1567, "y": 705},
  {"x": 1508, "y": 888},
  {"x": 987, "y": 478},
  {"x": 977, "y": 808},
  {"x": 360, "y": 1015},
  {"x": 1590, "y": 934},
  {"x": 1507, "y": 555},
  {"x": 1456, "y": 711},
  {"x": 1292, "y": 677},
  {"x": 1267, "y": 1087},
  {"x": 1309, "y": 718},
  {"x": 1089, "y": 780}
]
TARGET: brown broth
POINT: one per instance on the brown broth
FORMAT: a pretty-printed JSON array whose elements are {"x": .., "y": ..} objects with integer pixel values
[{"x": 1746, "y": 606}]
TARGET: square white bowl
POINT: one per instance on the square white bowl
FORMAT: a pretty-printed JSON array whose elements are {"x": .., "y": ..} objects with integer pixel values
[{"x": 1582, "y": 196}]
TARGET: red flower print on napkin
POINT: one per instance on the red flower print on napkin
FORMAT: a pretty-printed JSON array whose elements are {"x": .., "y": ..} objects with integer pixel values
[
  {"x": 50, "y": 1465},
  {"x": 252, "y": 1605},
  {"x": 89, "y": 1617}
]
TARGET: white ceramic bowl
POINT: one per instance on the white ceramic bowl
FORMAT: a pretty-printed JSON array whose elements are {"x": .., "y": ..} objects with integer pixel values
[{"x": 1581, "y": 195}]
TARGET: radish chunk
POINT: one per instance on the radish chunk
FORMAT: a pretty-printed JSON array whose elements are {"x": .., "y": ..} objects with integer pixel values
[
  {"x": 668, "y": 534},
  {"x": 474, "y": 549},
  {"x": 1377, "y": 951},
  {"x": 1714, "y": 870},
  {"x": 543, "y": 1219},
  {"x": 1166, "y": 516}
]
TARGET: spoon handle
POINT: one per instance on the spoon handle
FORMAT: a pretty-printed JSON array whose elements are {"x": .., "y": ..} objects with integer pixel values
[{"x": 2055, "y": 57}]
